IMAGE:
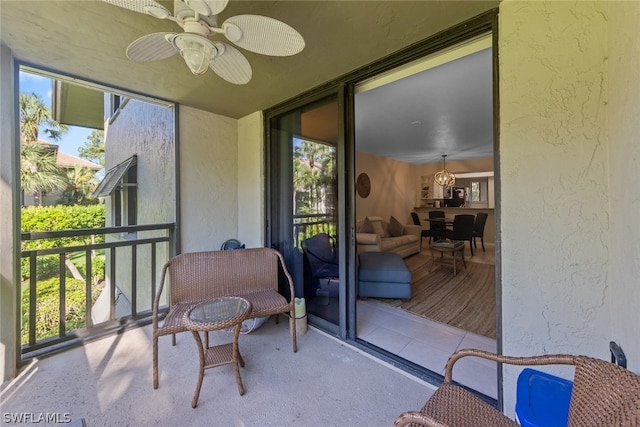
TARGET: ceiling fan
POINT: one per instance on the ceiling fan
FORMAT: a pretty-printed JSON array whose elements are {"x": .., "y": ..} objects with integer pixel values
[{"x": 199, "y": 20}]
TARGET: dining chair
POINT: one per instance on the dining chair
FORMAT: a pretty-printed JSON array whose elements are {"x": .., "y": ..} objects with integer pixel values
[
  {"x": 478, "y": 228},
  {"x": 436, "y": 214},
  {"x": 438, "y": 227},
  {"x": 425, "y": 232},
  {"x": 462, "y": 229}
]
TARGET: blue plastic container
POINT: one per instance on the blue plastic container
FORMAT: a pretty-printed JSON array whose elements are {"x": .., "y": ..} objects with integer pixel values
[{"x": 542, "y": 400}]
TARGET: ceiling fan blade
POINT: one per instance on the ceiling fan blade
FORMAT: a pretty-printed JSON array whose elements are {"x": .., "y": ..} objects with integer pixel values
[
  {"x": 207, "y": 7},
  {"x": 149, "y": 7},
  {"x": 151, "y": 47},
  {"x": 264, "y": 35},
  {"x": 231, "y": 64}
]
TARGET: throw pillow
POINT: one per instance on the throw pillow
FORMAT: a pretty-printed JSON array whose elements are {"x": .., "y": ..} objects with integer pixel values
[
  {"x": 367, "y": 226},
  {"x": 395, "y": 227},
  {"x": 378, "y": 228}
]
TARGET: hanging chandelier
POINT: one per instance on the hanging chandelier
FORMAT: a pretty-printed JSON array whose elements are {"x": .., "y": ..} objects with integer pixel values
[{"x": 444, "y": 178}]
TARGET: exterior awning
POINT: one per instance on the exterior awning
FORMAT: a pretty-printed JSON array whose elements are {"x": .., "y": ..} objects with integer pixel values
[{"x": 114, "y": 177}]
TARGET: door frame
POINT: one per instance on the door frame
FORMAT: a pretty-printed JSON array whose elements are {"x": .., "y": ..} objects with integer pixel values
[{"x": 344, "y": 86}]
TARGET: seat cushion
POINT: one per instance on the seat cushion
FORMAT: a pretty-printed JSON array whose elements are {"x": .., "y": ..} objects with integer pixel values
[
  {"x": 454, "y": 406},
  {"x": 388, "y": 244},
  {"x": 383, "y": 267},
  {"x": 265, "y": 303}
]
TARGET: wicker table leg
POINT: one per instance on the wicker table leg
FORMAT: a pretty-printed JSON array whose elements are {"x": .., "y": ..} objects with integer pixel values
[
  {"x": 237, "y": 359},
  {"x": 196, "y": 394},
  {"x": 218, "y": 355}
]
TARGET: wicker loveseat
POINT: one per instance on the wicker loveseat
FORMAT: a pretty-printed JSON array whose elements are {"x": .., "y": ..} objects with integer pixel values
[
  {"x": 375, "y": 234},
  {"x": 603, "y": 395},
  {"x": 253, "y": 274}
]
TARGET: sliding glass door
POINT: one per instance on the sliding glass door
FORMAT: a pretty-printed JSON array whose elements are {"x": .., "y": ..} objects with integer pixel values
[{"x": 303, "y": 204}]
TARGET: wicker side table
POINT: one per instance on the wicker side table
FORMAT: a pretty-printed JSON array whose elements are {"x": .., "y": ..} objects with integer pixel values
[
  {"x": 453, "y": 246},
  {"x": 212, "y": 315}
]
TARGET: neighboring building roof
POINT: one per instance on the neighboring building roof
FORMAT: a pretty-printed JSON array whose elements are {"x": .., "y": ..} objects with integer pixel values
[
  {"x": 65, "y": 160},
  {"x": 68, "y": 161}
]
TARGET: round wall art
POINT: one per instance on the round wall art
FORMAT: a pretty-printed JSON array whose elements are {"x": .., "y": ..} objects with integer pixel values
[{"x": 363, "y": 185}]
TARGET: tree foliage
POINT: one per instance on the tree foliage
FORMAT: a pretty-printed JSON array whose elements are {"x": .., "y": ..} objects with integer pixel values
[
  {"x": 39, "y": 170},
  {"x": 35, "y": 116},
  {"x": 314, "y": 176},
  {"x": 80, "y": 183},
  {"x": 93, "y": 149}
]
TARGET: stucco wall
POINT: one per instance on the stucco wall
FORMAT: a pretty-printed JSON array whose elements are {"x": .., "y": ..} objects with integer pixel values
[
  {"x": 556, "y": 211},
  {"x": 208, "y": 179},
  {"x": 624, "y": 152},
  {"x": 251, "y": 212},
  {"x": 395, "y": 185},
  {"x": 394, "y": 188},
  {"x": 147, "y": 131},
  {"x": 9, "y": 237}
]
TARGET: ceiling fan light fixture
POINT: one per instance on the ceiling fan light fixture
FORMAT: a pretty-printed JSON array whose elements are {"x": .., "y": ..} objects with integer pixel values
[
  {"x": 197, "y": 51},
  {"x": 444, "y": 178}
]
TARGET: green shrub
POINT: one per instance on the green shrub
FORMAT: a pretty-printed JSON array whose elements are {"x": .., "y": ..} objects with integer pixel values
[
  {"x": 47, "y": 307},
  {"x": 60, "y": 217},
  {"x": 46, "y": 266},
  {"x": 56, "y": 218},
  {"x": 99, "y": 267}
]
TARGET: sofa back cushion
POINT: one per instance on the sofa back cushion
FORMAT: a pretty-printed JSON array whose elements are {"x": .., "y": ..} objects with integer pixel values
[
  {"x": 395, "y": 227},
  {"x": 374, "y": 225}
]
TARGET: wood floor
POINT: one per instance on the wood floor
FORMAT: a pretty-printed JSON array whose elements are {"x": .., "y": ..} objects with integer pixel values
[{"x": 466, "y": 300}]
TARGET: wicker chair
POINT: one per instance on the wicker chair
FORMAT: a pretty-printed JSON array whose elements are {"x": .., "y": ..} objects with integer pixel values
[
  {"x": 253, "y": 274},
  {"x": 604, "y": 394}
]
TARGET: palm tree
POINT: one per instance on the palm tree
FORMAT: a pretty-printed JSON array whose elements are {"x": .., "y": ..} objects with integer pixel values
[
  {"x": 39, "y": 171},
  {"x": 36, "y": 116},
  {"x": 81, "y": 181}
]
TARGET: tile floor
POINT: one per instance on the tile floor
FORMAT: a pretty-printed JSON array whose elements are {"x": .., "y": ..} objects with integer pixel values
[{"x": 429, "y": 343}]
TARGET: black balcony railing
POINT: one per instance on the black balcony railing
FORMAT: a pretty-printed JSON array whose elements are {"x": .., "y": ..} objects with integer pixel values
[
  {"x": 150, "y": 247},
  {"x": 305, "y": 226}
]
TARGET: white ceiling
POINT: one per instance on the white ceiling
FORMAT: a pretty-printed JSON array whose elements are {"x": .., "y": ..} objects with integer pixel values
[
  {"x": 87, "y": 39},
  {"x": 446, "y": 109}
]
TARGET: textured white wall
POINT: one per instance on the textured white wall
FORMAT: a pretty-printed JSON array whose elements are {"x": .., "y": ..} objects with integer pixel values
[
  {"x": 148, "y": 131},
  {"x": 624, "y": 141},
  {"x": 251, "y": 192},
  {"x": 9, "y": 237},
  {"x": 555, "y": 232},
  {"x": 208, "y": 179}
]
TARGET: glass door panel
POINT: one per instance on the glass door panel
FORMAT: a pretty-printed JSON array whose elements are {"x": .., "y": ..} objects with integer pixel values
[{"x": 303, "y": 201}]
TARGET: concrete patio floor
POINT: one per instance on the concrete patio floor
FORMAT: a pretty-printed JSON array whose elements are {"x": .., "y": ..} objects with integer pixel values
[{"x": 107, "y": 382}]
